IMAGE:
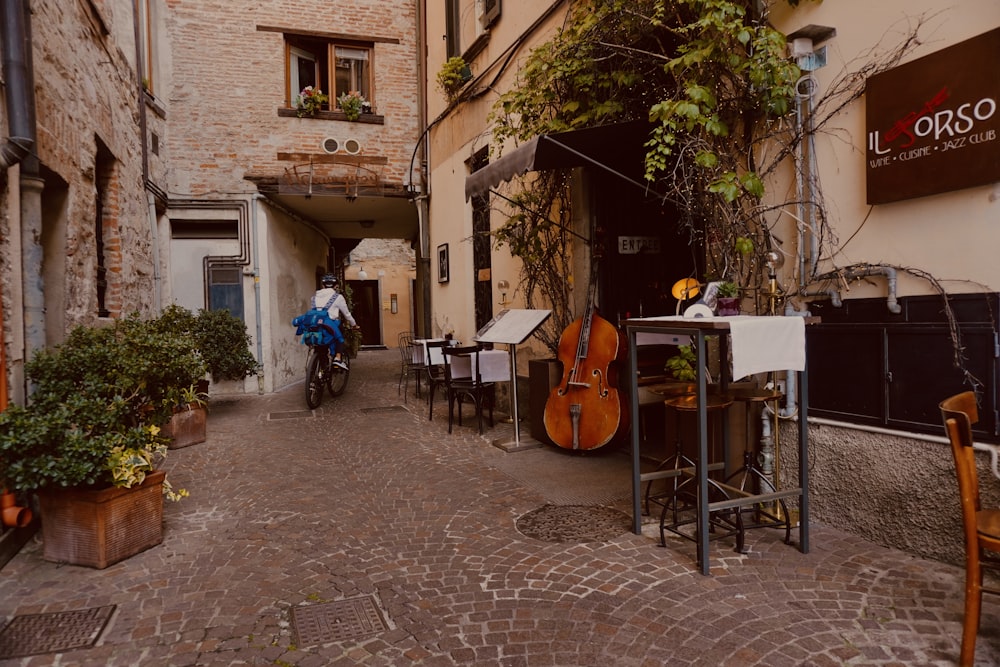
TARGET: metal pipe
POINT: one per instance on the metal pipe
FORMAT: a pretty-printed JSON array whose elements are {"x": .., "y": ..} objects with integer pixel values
[
  {"x": 864, "y": 271},
  {"x": 17, "y": 77},
  {"x": 791, "y": 388},
  {"x": 256, "y": 290}
]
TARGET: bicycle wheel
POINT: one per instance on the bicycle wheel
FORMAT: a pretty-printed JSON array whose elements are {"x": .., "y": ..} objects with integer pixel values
[
  {"x": 315, "y": 379},
  {"x": 338, "y": 377}
]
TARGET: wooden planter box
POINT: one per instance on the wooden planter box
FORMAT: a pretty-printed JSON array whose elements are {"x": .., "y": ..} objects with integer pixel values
[
  {"x": 98, "y": 528},
  {"x": 187, "y": 426}
]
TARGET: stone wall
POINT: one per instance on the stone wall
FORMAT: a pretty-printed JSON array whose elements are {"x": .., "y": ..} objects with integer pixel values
[{"x": 897, "y": 491}]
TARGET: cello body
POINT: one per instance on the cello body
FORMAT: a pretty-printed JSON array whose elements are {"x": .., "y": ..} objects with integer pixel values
[{"x": 585, "y": 410}]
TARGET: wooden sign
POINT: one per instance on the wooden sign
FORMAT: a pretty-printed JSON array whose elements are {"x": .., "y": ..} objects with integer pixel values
[{"x": 933, "y": 124}]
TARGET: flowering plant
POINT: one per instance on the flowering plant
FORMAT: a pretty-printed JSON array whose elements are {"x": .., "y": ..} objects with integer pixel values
[
  {"x": 309, "y": 101},
  {"x": 351, "y": 104}
]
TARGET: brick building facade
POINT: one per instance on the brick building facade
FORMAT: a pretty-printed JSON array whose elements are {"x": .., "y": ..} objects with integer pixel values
[{"x": 171, "y": 165}]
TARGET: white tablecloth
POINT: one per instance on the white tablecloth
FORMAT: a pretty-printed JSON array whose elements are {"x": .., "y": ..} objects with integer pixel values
[
  {"x": 420, "y": 349},
  {"x": 494, "y": 366},
  {"x": 758, "y": 343}
]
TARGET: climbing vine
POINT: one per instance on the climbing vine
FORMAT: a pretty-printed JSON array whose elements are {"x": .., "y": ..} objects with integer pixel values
[{"x": 711, "y": 77}]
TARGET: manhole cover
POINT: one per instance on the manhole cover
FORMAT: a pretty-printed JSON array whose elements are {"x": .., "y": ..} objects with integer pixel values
[
  {"x": 34, "y": 634},
  {"x": 295, "y": 414},
  {"x": 337, "y": 621},
  {"x": 573, "y": 523}
]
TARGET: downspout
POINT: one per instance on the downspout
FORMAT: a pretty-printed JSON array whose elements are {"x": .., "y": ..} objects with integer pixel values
[
  {"x": 256, "y": 291},
  {"x": 791, "y": 388},
  {"x": 19, "y": 123},
  {"x": 421, "y": 189},
  {"x": 17, "y": 149},
  {"x": 20, "y": 114}
]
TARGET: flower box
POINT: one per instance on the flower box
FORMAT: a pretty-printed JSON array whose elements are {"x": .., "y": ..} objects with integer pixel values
[{"x": 99, "y": 527}]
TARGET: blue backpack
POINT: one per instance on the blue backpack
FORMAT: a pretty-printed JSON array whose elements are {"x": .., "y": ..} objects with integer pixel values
[{"x": 316, "y": 326}]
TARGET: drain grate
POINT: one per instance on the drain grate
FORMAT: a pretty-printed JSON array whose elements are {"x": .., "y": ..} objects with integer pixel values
[
  {"x": 337, "y": 621},
  {"x": 387, "y": 408},
  {"x": 295, "y": 414},
  {"x": 34, "y": 634},
  {"x": 573, "y": 523}
]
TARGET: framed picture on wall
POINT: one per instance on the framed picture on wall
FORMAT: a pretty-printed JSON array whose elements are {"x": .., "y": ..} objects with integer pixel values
[{"x": 443, "y": 263}]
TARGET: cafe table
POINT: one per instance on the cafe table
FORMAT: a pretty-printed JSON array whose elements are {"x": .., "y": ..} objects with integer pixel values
[
  {"x": 759, "y": 344},
  {"x": 494, "y": 366},
  {"x": 429, "y": 356}
]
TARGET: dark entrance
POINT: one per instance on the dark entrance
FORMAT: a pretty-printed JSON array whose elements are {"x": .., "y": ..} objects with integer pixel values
[{"x": 366, "y": 310}]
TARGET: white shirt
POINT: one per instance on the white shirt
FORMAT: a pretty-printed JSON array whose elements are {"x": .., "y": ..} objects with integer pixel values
[{"x": 337, "y": 308}]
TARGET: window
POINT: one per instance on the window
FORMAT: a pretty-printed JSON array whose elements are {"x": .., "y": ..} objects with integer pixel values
[
  {"x": 353, "y": 72},
  {"x": 333, "y": 67}
]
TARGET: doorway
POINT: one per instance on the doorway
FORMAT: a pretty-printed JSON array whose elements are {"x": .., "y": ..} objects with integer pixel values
[{"x": 364, "y": 294}]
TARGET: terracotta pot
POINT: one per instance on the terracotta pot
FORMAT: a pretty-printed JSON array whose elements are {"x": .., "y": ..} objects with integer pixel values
[
  {"x": 187, "y": 427},
  {"x": 99, "y": 527},
  {"x": 13, "y": 515}
]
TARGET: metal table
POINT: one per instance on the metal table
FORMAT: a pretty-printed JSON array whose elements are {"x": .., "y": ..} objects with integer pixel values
[{"x": 698, "y": 329}]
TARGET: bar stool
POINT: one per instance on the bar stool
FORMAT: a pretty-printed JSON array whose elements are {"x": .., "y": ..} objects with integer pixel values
[
  {"x": 751, "y": 479},
  {"x": 679, "y": 501}
]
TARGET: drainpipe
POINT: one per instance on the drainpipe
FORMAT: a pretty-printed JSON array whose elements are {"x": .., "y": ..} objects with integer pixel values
[
  {"x": 256, "y": 291},
  {"x": 423, "y": 318},
  {"x": 791, "y": 388},
  {"x": 20, "y": 112},
  {"x": 891, "y": 302},
  {"x": 17, "y": 71}
]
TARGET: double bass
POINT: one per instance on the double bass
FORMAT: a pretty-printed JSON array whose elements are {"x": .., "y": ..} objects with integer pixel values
[{"x": 585, "y": 410}]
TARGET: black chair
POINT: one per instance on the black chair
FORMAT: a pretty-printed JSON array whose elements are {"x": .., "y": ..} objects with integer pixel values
[
  {"x": 434, "y": 372},
  {"x": 458, "y": 388},
  {"x": 408, "y": 365}
]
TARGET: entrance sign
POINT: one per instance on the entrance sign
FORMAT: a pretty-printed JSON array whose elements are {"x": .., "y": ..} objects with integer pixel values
[{"x": 933, "y": 124}]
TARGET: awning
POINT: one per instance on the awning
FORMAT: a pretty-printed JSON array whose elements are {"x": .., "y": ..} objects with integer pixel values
[{"x": 618, "y": 149}]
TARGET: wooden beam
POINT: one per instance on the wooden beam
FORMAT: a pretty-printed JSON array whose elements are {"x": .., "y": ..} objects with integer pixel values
[{"x": 326, "y": 158}]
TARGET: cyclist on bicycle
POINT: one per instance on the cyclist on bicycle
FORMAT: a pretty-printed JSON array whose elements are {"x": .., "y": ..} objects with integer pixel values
[{"x": 329, "y": 298}]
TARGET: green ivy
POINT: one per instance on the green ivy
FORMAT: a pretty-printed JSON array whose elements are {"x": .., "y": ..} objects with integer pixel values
[{"x": 711, "y": 77}]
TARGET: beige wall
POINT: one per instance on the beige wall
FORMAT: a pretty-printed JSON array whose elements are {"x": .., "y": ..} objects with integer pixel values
[
  {"x": 952, "y": 236},
  {"x": 892, "y": 487},
  {"x": 460, "y": 132}
]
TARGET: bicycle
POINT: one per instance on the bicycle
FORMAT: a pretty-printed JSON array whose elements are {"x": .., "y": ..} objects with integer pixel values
[{"x": 322, "y": 372}]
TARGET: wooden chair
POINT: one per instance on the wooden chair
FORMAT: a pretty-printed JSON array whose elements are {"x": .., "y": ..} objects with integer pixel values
[
  {"x": 408, "y": 366},
  {"x": 458, "y": 388},
  {"x": 981, "y": 527},
  {"x": 435, "y": 375}
]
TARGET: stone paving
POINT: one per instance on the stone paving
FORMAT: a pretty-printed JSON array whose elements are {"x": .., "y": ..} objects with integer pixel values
[{"x": 365, "y": 503}]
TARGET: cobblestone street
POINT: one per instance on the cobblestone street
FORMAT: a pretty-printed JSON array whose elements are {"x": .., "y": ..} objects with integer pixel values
[{"x": 362, "y": 533}]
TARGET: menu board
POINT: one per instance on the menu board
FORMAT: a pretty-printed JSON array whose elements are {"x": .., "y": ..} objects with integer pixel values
[{"x": 512, "y": 327}]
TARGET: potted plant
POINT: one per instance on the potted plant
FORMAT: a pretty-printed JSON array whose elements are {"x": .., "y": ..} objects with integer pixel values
[
  {"x": 220, "y": 338},
  {"x": 89, "y": 441},
  {"x": 452, "y": 76},
  {"x": 351, "y": 104},
  {"x": 222, "y": 342},
  {"x": 310, "y": 101},
  {"x": 727, "y": 299}
]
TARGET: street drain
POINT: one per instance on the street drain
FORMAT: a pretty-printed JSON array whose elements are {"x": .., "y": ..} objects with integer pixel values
[
  {"x": 295, "y": 414},
  {"x": 337, "y": 621},
  {"x": 573, "y": 523},
  {"x": 388, "y": 408},
  {"x": 34, "y": 634}
]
